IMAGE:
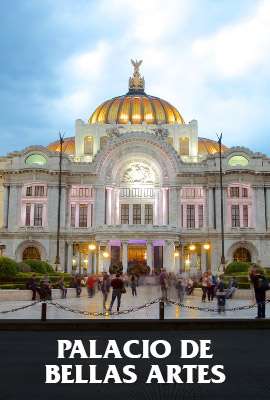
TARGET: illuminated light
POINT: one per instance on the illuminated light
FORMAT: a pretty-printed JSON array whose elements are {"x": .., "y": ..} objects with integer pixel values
[
  {"x": 148, "y": 116},
  {"x": 145, "y": 256},
  {"x": 105, "y": 254},
  {"x": 206, "y": 246},
  {"x": 136, "y": 116},
  {"x": 92, "y": 246},
  {"x": 85, "y": 261},
  {"x": 176, "y": 254},
  {"x": 123, "y": 116},
  {"x": 192, "y": 247},
  {"x": 73, "y": 261}
]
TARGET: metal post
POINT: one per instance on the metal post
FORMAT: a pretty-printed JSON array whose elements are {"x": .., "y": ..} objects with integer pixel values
[
  {"x": 57, "y": 258},
  {"x": 43, "y": 311},
  {"x": 161, "y": 310},
  {"x": 222, "y": 261}
]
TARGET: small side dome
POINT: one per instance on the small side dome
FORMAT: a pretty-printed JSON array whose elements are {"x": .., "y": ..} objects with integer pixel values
[{"x": 208, "y": 146}]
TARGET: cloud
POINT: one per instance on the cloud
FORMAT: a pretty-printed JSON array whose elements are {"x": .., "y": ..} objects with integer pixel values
[{"x": 235, "y": 50}]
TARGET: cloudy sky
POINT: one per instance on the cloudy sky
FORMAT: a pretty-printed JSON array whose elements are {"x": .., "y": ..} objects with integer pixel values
[{"x": 61, "y": 58}]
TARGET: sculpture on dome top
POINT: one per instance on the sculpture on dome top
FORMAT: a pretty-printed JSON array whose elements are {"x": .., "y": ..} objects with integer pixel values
[{"x": 136, "y": 82}]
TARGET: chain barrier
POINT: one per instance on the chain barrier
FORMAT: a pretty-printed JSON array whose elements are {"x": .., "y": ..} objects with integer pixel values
[
  {"x": 209, "y": 309},
  {"x": 104, "y": 313},
  {"x": 18, "y": 308},
  {"x": 107, "y": 313}
]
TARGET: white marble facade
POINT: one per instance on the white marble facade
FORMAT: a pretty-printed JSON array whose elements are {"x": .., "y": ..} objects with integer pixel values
[{"x": 133, "y": 186}]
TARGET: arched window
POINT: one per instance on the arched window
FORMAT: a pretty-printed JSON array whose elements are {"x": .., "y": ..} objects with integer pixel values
[
  {"x": 88, "y": 145},
  {"x": 242, "y": 254},
  {"x": 31, "y": 253},
  {"x": 184, "y": 146},
  {"x": 103, "y": 141}
]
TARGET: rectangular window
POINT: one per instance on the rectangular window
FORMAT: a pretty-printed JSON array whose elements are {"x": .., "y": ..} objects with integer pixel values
[
  {"x": 27, "y": 214},
  {"x": 83, "y": 215},
  {"x": 148, "y": 217},
  {"x": 137, "y": 214},
  {"x": 39, "y": 191},
  {"x": 190, "y": 216},
  {"x": 244, "y": 192},
  {"x": 72, "y": 215},
  {"x": 235, "y": 216},
  {"x": 245, "y": 216},
  {"x": 38, "y": 214},
  {"x": 200, "y": 215},
  {"x": 29, "y": 191},
  {"x": 124, "y": 213},
  {"x": 234, "y": 191},
  {"x": 184, "y": 146}
]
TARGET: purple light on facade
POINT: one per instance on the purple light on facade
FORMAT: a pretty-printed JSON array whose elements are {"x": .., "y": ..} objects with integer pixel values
[{"x": 137, "y": 241}]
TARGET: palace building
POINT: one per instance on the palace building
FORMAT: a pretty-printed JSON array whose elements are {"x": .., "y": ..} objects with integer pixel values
[{"x": 139, "y": 185}]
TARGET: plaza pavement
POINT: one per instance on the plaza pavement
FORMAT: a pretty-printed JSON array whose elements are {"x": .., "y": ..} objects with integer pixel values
[{"x": 145, "y": 294}]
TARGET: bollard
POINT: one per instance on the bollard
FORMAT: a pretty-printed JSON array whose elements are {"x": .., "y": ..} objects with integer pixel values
[
  {"x": 161, "y": 310},
  {"x": 43, "y": 311}
]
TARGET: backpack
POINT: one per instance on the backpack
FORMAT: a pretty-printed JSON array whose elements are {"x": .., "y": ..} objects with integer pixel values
[{"x": 263, "y": 284}]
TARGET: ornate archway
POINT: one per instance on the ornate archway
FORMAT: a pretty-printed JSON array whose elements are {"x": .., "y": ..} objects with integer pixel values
[
  {"x": 242, "y": 254},
  {"x": 243, "y": 251},
  {"x": 30, "y": 249},
  {"x": 31, "y": 253}
]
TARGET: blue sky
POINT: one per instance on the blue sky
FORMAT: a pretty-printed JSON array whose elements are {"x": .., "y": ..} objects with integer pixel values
[{"x": 60, "y": 58}]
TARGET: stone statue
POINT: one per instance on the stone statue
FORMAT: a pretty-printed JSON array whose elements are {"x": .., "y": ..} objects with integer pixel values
[
  {"x": 136, "y": 64},
  {"x": 161, "y": 132}
]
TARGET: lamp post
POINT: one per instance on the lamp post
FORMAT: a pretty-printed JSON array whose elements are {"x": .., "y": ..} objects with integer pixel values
[
  {"x": 57, "y": 258},
  {"x": 92, "y": 247},
  {"x": 222, "y": 260}
]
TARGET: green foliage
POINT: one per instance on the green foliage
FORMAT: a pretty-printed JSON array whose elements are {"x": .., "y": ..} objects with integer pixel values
[
  {"x": 39, "y": 266},
  {"x": 114, "y": 269},
  {"x": 23, "y": 267},
  {"x": 237, "y": 266},
  {"x": 8, "y": 267}
]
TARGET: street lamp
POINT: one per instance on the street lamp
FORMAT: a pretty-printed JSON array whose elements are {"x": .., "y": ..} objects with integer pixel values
[
  {"x": 176, "y": 254},
  {"x": 192, "y": 247},
  {"x": 92, "y": 247},
  {"x": 57, "y": 257},
  {"x": 222, "y": 260},
  {"x": 206, "y": 246},
  {"x": 105, "y": 254}
]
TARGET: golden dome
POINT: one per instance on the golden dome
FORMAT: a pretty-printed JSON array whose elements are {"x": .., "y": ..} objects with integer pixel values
[
  {"x": 136, "y": 107},
  {"x": 208, "y": 146}
]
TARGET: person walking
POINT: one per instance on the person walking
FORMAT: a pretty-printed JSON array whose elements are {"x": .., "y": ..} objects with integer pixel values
[
  {"x": 163, "y": 281},
  {"x": 61, "y": 285},
  {"x": 221, "y": 295},
  {"x": 77, "y": 284},
  {"x": 232, "y": 286},
  {"x": 32, "y": 285},
  {"x": 204, "y": 286},
  {"x": 210, "y": 287},
  {"x": 261, "y": 285},
  {"x": 90, "y": 283},
  {"x": 45, "y": 288},
  {"x": 105, "y": 287},
  {"x": 133, "y": 284},
  {"x": 180, "y": 288},
  {"x": 118, "y": 289}
]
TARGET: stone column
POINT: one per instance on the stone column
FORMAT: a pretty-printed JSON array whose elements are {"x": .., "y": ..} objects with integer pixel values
[
  {"x": 109, "y": 206},
  {"x": 203, "y": 259},
  {"x": 260, "y": 209},
  {"x": 168, "y": 259},
  {"x": 69, "y": 257},
  {"x": 173, "y": 207},
  {"x": 210, "y": 209},
  {"x": 125, "y": 255},
  {"x": 149, "y": 254},
  {"x": 14, "y": 208},
  {"x": 99, "y": 206},
  {"x": 6, "y": 206},
  {"x": 164, "y": 206}
]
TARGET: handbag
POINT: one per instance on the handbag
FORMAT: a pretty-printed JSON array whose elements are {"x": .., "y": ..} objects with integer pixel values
[{"x": 123, "y": 290}]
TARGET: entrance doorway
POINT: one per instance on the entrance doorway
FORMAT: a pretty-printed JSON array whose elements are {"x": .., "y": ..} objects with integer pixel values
[
  {"x": 242, "y": 254},
  {"x": 31, "y": 253}
]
